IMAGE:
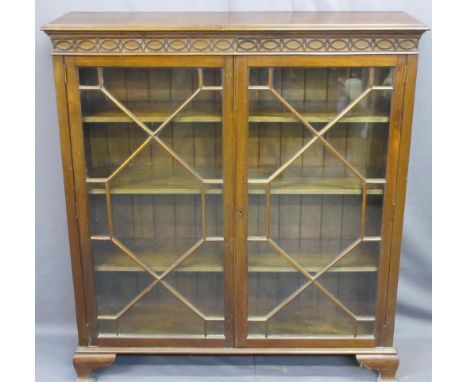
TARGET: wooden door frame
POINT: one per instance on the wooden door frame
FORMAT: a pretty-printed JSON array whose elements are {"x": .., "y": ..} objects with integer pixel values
[
  {"x": 77, "y": 197},
  {"x": 392, "y": 208}
]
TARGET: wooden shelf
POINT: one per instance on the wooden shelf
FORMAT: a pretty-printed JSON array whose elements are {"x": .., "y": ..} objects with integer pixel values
[
  {"x": 205, "y": 111},
  {"x": 311, "y": 111},
  {"x": 313, "y": 320},
  {"x": 163, "y": 182},
  {"x": 160, "y": 316},
  {"x": 155, "y": 183},
  {"x": 147, "y": 180},
  {"x": 326, "y": 186},
  {"x": 165, "y": 315},
  {"x": 314, "y": 181},
  {"x": 197, "y": 111},
  {"x": 159, "y": 255},
  {"x": 263, "y": 258}
]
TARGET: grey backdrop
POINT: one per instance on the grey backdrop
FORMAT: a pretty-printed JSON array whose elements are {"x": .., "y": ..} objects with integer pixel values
[{"x": 55, "y": 321}]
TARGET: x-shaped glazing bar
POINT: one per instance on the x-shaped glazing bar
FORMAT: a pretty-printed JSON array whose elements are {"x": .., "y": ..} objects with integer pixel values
[
  {"x": 158, "y": 279},
  {"x": 312, "y": 279},
  {"x": 317, "y": 135}
]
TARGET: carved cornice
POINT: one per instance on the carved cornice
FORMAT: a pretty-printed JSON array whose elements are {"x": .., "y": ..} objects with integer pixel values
[{"x": 229, "y": 45}]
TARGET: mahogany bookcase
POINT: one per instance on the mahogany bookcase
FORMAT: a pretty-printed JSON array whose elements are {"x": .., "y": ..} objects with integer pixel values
[{"x": 235, "y": 182}]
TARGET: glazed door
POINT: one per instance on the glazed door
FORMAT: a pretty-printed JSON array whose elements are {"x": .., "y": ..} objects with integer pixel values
[
  {"x": 153, "y": 174},
  {"x": 314, "y": 198}
]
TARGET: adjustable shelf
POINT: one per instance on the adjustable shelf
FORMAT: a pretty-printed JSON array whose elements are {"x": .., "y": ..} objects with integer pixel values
[
  {"x": 146, "y": 111},
  {"x": 165, "y": 182},
  {"x": 205, "y": 111},
  {"x": 159, "y": 255}
]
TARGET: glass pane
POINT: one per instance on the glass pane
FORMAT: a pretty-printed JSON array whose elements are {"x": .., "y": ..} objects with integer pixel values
[
  {"x": 318, "y": 142},
  {"x": 310, "y": 314},
  {"x": 160, "y": 314},
  {"x": 153, "y": 152}
]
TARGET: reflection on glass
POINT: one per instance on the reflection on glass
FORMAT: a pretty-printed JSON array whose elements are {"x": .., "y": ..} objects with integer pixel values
[{"x": 318, "y": 139}]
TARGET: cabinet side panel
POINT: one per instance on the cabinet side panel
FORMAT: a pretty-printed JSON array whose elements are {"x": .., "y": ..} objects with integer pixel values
[
  {"x": 69, "y": 185},
  {"x": 394, "y": 140},
  {"x": 400, "y": 196},
  {"x": 78, "y": 155}
]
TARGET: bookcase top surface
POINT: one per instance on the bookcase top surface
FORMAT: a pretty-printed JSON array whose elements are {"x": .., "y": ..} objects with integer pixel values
[{"x": 233, "y": 22}]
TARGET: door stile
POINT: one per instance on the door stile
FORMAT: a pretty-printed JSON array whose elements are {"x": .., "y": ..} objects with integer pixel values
[
  {"x": 229, "y": 197},
  {"x": 241, "y": 205}
]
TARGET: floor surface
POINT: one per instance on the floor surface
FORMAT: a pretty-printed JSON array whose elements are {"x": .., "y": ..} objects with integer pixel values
[{"x": 55, "y": 350}]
